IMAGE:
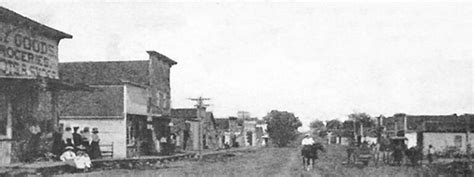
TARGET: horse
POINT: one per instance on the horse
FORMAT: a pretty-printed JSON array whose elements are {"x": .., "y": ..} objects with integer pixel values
[
  {"x": 397, "y": 154},
  {"x": 310, "y": 154},
  {"x": 415, "y": 154}
]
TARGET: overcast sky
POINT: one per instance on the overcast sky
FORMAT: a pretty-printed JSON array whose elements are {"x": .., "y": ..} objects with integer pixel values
[{"x": 318, "y": 60}]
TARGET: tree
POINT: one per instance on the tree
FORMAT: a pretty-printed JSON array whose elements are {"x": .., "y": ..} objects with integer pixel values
[
  {"x": 368, "y": 123},
  {"x": 316, "y": 124},
  {"x": 282, "y": 127},
  {"x": 348, "y": 125},
  {"x": 363, "y": 117},
  {"x": 333, "y": 124}
]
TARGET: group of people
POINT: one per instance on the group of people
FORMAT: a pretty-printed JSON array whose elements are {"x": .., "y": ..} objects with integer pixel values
[
  {"x": 167, "y": 144},
  {"x": 383, "y": 152},
  {"x": 77, "y": 147},
  {"x": 76, "y": 157}
]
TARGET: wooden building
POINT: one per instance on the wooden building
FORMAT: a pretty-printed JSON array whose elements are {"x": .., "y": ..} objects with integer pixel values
[{"x": 130, "y": 103}]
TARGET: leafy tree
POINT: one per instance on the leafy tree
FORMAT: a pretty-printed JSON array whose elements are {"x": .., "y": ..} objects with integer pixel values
[
  {"x": 348, "y": 125},
  {"x": 367, "y": 122},
  {"x": 363, "y": 117},
  {"x": 323, "y": 133},
  {"x": 333, "y": 124},
  {"x": 282, "y": 127},
  {"x": 316, "y": 124}
]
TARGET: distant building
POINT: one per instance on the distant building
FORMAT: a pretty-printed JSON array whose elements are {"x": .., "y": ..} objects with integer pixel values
[
  {"x": 243, "y": 114},
  {"x": 235, "y": 132},
  {"x": 250, "y": 132},
  {"x": 441, "y": 131},
  {"x": 230, "y": 131},
  {"x": 130, "y": 103},
  {"x": 29, "y": 86},
  {"x": 339, "y": 136},
  {"x": 186, "y": 127},
  {"x": 262, "y": 134}
]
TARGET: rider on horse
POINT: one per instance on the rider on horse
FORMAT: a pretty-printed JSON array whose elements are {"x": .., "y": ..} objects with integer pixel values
[
  {"x": 307, "y": 140},
  {"x": 309, "y": 150}
]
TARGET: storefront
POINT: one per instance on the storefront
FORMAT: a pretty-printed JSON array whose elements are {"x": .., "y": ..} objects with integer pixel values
[
  {"x": 130, "y": 103},
  {"x": 28, "y": 86}
]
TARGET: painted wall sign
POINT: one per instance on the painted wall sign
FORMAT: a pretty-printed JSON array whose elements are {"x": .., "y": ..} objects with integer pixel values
[{"x": 22, "y": 53}]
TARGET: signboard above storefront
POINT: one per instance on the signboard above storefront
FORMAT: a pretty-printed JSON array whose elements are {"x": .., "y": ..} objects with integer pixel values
[{"x": 26, "y": 53}]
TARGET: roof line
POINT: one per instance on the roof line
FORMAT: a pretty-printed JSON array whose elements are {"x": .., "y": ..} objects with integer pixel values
[
  {"x": 162, "y": 57},
  {"x": 103, "y": 61},
  {"x": 91, "y": 117},
  {"x": 9, "y": 16}
]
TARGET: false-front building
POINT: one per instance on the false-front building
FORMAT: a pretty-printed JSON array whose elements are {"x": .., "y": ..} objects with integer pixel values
[
  {"x": 28, "y": 87},
  {"x": 130, "y": 103}
]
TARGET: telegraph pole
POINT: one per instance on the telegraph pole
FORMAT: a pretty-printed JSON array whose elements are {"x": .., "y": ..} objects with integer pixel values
[
  {"x": 355, "y": 129},
  {"x": 468, "y": 134},
  {"x": 201, "y": 110}
]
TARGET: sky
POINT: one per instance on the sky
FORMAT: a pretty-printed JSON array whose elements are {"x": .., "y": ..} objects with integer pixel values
[{"x": 319, "y": 60}]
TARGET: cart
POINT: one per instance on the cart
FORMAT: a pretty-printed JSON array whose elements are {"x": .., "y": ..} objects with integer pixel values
[{"x": 363, "y": 155}]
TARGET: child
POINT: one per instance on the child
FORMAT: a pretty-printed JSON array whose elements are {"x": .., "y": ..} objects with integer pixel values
[
  {"x": 68, "y": 157},
  {"x": 68, "y": 154},
  {"x": 82, "y": 160}
]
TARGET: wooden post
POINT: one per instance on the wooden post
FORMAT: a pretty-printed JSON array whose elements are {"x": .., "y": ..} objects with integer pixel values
[
  {"x": 355, "y": 130},
  {"x": 201, "y": 110},
  {"x": 200, "y": 118},
  {"x": 405, "y": 128},
  {"x": 379, "y": 132},
  {"x": 468, "y": 134}
]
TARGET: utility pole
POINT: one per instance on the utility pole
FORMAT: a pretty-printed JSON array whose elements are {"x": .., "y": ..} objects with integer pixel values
[
  {"x": 355, "y": 128},
  {"x": 379, "y": 127},
  {"x": 405, "y": 128},
  {"x": 201, "y": 111},
  {"x": 468, "y": 134}
]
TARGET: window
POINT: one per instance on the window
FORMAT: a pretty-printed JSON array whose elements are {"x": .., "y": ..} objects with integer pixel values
[
  {"x": 131, "y": 132},
  {"x": 458, "y": 141},
  {"x": 3, "y": 115}
]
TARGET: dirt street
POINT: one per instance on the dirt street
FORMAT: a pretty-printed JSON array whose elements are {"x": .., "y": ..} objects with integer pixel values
[{"x": 266, "y": 162}]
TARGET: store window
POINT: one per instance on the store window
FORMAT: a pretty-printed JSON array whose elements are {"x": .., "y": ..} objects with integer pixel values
[{"x": 3, "y": 115}]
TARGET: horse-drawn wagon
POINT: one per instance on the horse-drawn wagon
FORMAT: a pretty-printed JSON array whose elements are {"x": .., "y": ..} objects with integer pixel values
[{"x": 363, "y": 154}]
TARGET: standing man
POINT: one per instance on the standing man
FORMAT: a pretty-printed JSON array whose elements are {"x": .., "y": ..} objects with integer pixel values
[
  {"x": 164, "y": 145},
  {"x": 377, "y": 153},
  {"x": 350, "y": 152}
]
